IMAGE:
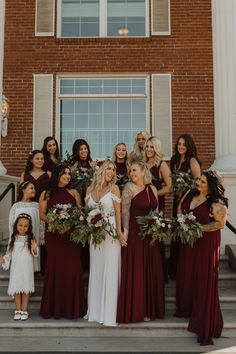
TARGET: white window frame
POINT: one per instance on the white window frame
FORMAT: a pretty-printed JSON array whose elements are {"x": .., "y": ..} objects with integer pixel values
[
  {"x": 165, "y": 33},
  {"x": 153, "y": 123},
  {"x": 44, "y": 34},
  {"x": 103, "y": 24},
  {"x": 97, "y": 77}
]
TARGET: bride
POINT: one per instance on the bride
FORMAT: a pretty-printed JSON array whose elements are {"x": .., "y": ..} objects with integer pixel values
[{"x": 105, "y": 258}]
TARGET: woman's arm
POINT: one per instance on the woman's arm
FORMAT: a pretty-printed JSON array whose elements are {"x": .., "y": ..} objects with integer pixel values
[
  {"x": 22, "y": 177},
  {"x": 166, "y": 175},
  {"x": 117, "y": 208},
  {"x": 179, "y": 210},
  {"x": 43, "y": 207},
  {"x": 127, "y": 196},
  {"x": 195, "y": 168},
  {"x": 49, "y": 174},
  {"x": 156, "y": 195},
  {"x": 219, "y": 213}
]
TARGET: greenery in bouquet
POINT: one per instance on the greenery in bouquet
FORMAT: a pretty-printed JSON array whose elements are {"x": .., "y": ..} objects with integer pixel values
[
  {"x": 182, "y": 181},
  {"x": 121, "y": 181},
  {"x": 92, "y": 224},
  {"x": 81, "y": 233},
  {"x": 62, "y": 217},
  {"x": 156, "y": 227},
  {"x": 81, "y": 179},
  {"x": 187, "y": 229},
  {"x": 99, "y": 225}
]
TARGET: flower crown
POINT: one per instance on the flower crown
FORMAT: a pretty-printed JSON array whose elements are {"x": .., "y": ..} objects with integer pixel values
[{"x": 24, "y": 215}]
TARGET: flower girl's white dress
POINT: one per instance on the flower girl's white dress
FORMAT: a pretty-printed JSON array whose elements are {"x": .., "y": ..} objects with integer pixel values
[{"x": 104, "y": 277}]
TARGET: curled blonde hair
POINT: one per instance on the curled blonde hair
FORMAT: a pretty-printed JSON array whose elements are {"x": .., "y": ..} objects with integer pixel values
[
  {"x": 139, "y": 154},
  {"x": 98, "y": 177},
  {"x": 157, "y": 149},
  {"x": 143, "y": 166}
]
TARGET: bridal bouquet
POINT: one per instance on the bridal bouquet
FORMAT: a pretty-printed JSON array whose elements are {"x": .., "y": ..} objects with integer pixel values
[
  {"x": 93, "y": 224},
  {"x": 155, "y": 226},
  {"x": 187, "y": 228},
  {"x": 182, "y": 181},
  {"x": 62, "y": 217}
]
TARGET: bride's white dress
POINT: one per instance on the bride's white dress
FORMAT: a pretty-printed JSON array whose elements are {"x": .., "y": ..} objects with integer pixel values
[{"x": 105, "y": 264}]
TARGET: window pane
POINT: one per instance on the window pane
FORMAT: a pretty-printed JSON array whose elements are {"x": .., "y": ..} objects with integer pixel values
[
  {"x": 126, "y": 18},
  {"x": 102, "y": 122},
  {"x": 80, "y": 18}
]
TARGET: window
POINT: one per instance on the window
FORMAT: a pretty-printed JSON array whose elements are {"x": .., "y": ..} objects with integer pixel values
[
  {"x": 103, "y": 111},
  {"x": 103, "y": 18}
]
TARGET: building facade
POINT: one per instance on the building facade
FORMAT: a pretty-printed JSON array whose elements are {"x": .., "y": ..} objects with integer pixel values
[{"x": 103, "y": 70}]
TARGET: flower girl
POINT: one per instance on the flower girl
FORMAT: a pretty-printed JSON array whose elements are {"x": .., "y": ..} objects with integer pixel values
[{"x": 21, "y": 249}]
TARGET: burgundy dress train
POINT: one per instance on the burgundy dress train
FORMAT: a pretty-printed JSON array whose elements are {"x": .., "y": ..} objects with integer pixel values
[
  {"x": 63, "y": 292},
  {"x": 206, "y": 318},
  {"x": 142, "y": 279}
]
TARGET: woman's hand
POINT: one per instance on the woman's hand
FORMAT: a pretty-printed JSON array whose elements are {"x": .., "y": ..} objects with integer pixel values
[
  {"x": 64, "y": 230},
  {"x": 122, "y": 239},
  {"x": 2, "y": 260},
  {"x": 34, "y": 247}
]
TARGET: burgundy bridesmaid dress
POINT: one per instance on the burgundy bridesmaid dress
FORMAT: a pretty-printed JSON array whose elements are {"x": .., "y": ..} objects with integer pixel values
[
  {"x": 40, "y": 183},
  {"x": 206, "y": 318},
  {"x": 63, "y": 291},
  {"x": 197, "y": 280},
  {"x": 175, "y": 245},
  {"x": 142, "y": 279}
]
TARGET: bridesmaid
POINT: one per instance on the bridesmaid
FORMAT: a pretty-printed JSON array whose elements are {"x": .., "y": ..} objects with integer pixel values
[
  {"x": 63, "y": 291},
  {"x": 138, "y": 152},
  {"x": 82, "y": 162},
  {"x": 35, "y": 173},
  {"x": 50, "y": 151},
  {"x": 120, "y": 159},
  {"x": 161, "y": 179},
  {"x": 161, "y": 175},
  {"x": 25, "y": 205},
  {"x": 197, "y": 277},
  {"x": 141, "y": 296},
  {"x": 81, "y": 156},
  {"x": 184, "y": 160}
]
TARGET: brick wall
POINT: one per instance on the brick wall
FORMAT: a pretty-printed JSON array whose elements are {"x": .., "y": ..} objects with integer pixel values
[{"x": 187, "y": 54}]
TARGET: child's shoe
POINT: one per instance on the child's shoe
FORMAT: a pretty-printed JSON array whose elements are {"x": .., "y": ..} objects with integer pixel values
[
  {"x": 17, "y": 315},
  {"x": 24, "y": 315}
]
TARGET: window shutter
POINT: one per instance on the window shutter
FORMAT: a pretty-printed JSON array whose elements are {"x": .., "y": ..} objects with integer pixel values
[
  {"x": 44, "y": 17},
  {"x": 160, "y": 17},
  {"x": 161, "y": 111},
  {"x": 43, "y": 109}
]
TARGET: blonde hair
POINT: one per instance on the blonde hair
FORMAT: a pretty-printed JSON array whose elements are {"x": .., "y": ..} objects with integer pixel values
[
  {"x": 114, "y": 157},
  {"x": 143, "y": 166},
  {"x": 98, "y": 177},
  {"x": 136, "y": 150},
  {"x": 157, "y": 149}
]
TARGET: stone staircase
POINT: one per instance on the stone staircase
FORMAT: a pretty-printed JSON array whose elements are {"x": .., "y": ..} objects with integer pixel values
[{"x": 76, "y": 336}]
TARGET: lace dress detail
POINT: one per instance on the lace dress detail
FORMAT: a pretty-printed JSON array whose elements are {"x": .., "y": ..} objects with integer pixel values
[
  {"x": 21, "y": 270},
  {"x": 31, "y": 208}
]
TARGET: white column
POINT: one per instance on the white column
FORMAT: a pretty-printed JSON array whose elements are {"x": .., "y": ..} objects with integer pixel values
[
  {"x": 2, "y": 23},
  {"x": 224, "y": 56},
  {"x": 224, "y": 51}
]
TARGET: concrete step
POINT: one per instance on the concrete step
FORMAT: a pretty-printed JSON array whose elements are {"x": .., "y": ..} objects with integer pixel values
[
  {"x": 107, "y": 344},
  {"x": 167, "y": 327}
]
